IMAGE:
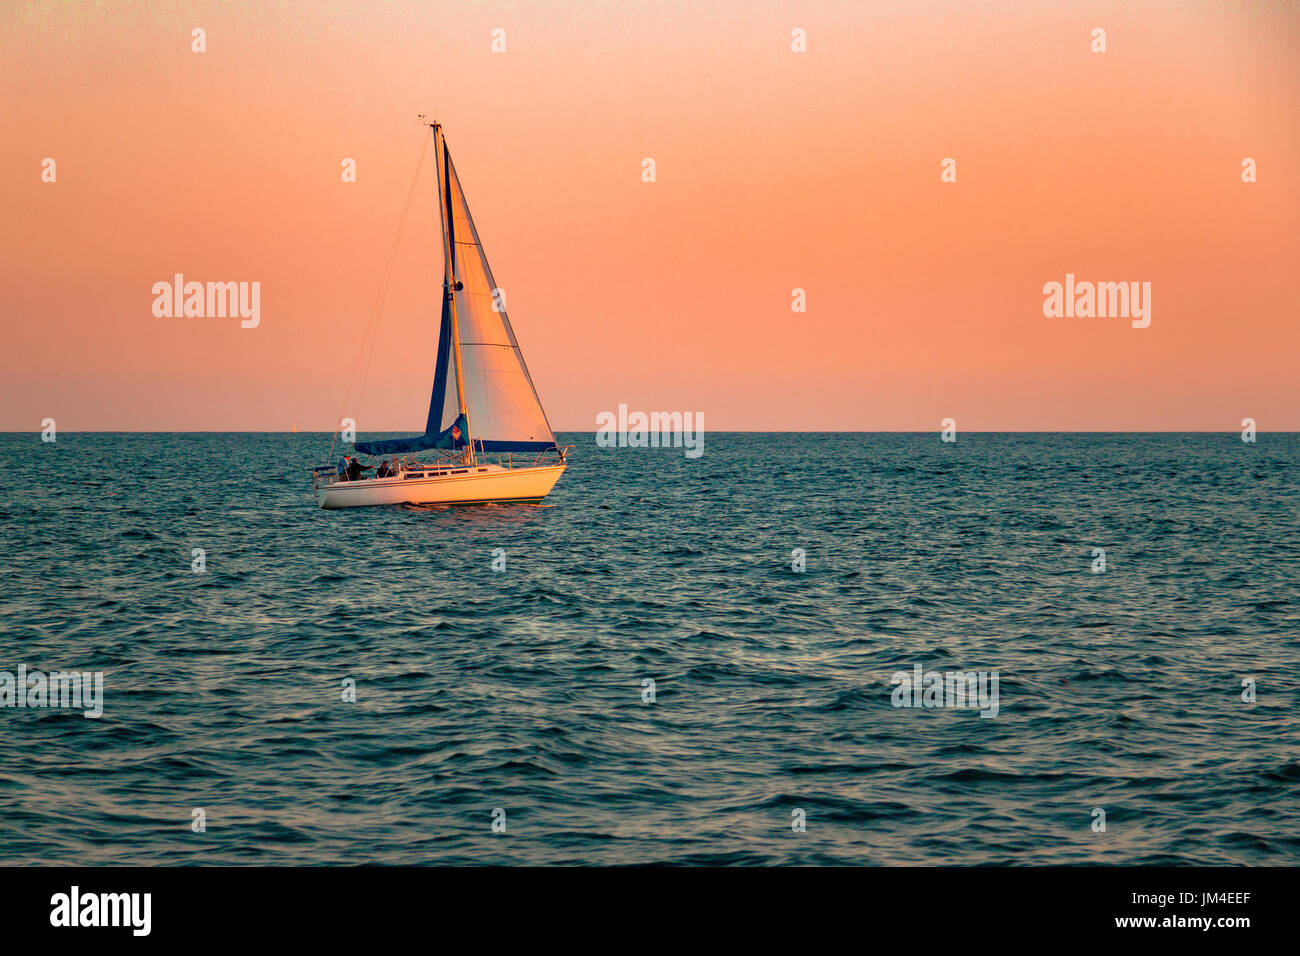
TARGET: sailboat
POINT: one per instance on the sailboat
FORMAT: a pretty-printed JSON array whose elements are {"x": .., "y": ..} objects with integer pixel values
[{"x": 490, "y": 439}]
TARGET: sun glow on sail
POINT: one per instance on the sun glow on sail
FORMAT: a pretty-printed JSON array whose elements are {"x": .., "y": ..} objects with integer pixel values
[{"x": 505, "y": 413}]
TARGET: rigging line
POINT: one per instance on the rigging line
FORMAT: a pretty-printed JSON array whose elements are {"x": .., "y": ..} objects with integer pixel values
[
  {"x": 376, "y": 309},
  {"x": 392, "y": 262},
  {"x": 372, "y": 326}
]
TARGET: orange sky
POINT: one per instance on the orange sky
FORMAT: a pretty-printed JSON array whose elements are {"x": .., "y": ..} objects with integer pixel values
[{"x": 775, "y": 170}]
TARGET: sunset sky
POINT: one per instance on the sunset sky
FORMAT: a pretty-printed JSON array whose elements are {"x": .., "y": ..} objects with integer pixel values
[{"x": 775, "y": 170}]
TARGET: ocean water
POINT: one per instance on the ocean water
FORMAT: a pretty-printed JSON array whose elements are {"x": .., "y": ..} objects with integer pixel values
[{"x": 522, "y": 689}]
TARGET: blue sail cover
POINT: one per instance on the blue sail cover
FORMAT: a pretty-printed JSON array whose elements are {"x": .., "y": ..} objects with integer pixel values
[{"x": 392, "y": 446}]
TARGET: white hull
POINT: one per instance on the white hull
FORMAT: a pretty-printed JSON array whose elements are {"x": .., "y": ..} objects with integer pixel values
[{"x": 462, "y": 485}]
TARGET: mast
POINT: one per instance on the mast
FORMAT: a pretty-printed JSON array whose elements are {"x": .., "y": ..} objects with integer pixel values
[{"x": 449, "y": 282}]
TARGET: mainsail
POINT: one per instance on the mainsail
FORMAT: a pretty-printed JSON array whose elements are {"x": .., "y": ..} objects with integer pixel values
[{"x": 501, "y": 409}]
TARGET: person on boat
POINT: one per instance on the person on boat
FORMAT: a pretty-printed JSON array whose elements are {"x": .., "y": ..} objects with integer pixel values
[
  {"x": 343, "y": 468},
  {"x": 384, "y": 471},
  {"x": 355, "y": 468}
]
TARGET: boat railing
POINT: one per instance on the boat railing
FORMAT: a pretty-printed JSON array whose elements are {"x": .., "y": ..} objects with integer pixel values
[{"x": 408, "y": 466}]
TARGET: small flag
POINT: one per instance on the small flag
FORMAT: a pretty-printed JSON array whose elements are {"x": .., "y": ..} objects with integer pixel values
[{"x": 455, "y": 432}]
